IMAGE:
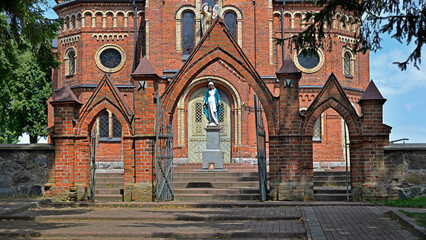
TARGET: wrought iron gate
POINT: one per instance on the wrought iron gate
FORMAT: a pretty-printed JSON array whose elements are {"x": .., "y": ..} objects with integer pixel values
[
  {"x": 261, "y": 150},
  {"x": 163, "y": 156},
  {"x": 94, "y": 142}
]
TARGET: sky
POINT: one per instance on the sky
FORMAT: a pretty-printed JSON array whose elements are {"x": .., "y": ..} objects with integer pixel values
[{"x": 405, "y": 91}]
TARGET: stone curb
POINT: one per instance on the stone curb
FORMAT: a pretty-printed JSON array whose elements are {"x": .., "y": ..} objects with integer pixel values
[
  {"x": 150, "y": 218},
  {"x": 180, "y": 235},
  {"x": 407, "y": 223},
  {"x": 23, "y": 207},
  {"x": 227, "y": 204}
]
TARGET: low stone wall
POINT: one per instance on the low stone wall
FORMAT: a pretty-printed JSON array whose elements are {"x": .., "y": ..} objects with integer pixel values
[
  {"x": 409, "y": 174},
  {"x": 24, "y": 168}
]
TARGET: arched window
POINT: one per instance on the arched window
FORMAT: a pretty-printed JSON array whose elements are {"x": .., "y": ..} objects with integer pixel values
[
  {"x": 109, "y": 127},
  {"x": 210, "y": 2},
  {"x": 316, "y": 136},
  {"x": 70, "y": 61},
  {"x": 71, "y": 57},
  {"x": 348, "y": 65},
  {"x": 188, "y": 33},
  {"x": 231, "y": 23}
]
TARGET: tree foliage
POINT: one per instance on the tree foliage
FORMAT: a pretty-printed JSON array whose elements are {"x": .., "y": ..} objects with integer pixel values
[
  {"x": 26, "y": 61},
  {"x": 404, "y": 20}
]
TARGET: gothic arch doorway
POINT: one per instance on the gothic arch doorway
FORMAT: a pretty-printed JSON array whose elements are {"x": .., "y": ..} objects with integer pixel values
[{"x": 197, "y": 122}]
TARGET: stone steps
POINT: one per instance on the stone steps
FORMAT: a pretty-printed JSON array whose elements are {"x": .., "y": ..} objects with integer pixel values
[
  {"x": 330, "y": 186},
  {"x": 207, "y": 183},
  {"x": 184, "y": 173},
  {"x": 239, "y": 183},
  {"x": 109, "y": 186},
  {"x": 219, "y": 191}
]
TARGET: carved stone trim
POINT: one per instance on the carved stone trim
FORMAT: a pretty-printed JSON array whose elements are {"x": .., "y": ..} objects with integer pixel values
[
  {"x": 110, "y": 36},
  {"x": 312, "y": 70},
  {"x": 70, "y": 39}
]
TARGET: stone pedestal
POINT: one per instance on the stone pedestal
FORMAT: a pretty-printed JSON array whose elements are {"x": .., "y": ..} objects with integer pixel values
[{"x": 213, "y": 156}]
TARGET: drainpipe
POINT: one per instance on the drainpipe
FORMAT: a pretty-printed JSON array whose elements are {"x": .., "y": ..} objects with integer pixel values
[
  {"x": 134, "y": 92},
  {"x": 282, "y": 29},
  {"x": 136, "y": 34}
]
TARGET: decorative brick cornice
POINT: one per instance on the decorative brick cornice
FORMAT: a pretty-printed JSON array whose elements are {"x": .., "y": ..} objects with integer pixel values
[
  {"x": 70, "y": 39},
  {"x": 110, "y": 36},
  {"x": 344, "y": 39}
]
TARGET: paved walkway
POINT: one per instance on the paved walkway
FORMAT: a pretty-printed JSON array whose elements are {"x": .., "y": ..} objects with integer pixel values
[{"x": 192, "y": 221}]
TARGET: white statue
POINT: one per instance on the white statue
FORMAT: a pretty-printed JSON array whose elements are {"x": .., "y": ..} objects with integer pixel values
[{"x": 212, "y": 103}]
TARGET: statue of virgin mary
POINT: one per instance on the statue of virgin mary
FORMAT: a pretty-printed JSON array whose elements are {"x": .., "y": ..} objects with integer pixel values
[{"x": 212, "y": 105}]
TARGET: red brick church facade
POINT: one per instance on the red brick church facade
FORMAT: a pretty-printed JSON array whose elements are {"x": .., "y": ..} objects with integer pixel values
[{"x": 308, "y": 121}]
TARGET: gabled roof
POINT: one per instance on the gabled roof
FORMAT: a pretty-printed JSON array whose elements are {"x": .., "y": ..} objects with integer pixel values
[
  {"x": 332, "y": 89},
  {"x": 232, "y": 49},
  {"x": 372, "y": 93},
  {"x": 102, "y": 92},
  {"x": 288, "y": 66},
  {"x": 65, "y": 94}
]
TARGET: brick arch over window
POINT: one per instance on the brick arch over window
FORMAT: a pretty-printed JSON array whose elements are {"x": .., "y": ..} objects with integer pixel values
[
  {"x": 239, "y": 18},
  {"x": 185, "y": 77},
  {"x": 349, "y": 115},
  {"x": 89, "y": 118},
  {"x": 178, "y": 17},
  {"x": 333, "y": 96}
]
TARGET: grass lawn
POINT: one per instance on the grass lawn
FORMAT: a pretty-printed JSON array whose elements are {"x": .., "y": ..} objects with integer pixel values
[
  {"x": 420, "y": 218},
  {"x": 412, "y": 202}
]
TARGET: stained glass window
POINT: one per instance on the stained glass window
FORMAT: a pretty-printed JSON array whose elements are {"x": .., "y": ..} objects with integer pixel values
[
  {"x": 188, "y": 33},
  {"x": 231, "y": 23},
  {"x": 317, "y": 130},
  {"x": 116, "y": 127},
  {"x": 308, "y": 59},
  {"x": 103, "y": 125},
  {"x": 71, "y": 65},
  {"x": 347, "y": 66},
  {"x": 110, "y": 58}
]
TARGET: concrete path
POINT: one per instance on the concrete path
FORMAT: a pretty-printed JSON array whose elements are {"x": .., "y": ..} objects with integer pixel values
[{"x": 257, "y": 221}]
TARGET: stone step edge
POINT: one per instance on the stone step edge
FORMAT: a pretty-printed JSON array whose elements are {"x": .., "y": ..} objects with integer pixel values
[
  {"x": 215, "y": 195},
  {"x": 153, "y": 234},
  {"x": 150, "y": 219},
  {"x": 332, "y": 188},
  {"x": 218, "y": 189},
  {"x": 331, "y": 194},
  {"x": 204, "y": 204}
]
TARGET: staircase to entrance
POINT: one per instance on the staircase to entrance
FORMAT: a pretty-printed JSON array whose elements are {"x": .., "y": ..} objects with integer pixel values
[
  {"x": 109, "y": 186},
  {"x": 240, "y": 182},
  {"x": 330, "y": 186}
]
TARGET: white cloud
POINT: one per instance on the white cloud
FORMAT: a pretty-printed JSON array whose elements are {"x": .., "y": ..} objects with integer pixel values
[{"x": 390, "y": 79}]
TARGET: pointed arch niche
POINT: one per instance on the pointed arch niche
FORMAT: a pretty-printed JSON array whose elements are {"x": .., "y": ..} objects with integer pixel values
[{"x": 236, "y": 102}]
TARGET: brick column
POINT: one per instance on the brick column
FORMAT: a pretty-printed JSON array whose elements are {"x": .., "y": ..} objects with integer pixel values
[
  {"x": 139, "y": 175},
  {"x": 62, "y": 179},
  {"x": 375, "y": 135},
  {"x": 290, "y": 153}
]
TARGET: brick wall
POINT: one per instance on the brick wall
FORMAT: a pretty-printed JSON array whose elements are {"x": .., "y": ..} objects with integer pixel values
[{"x": 90, "y": 26}]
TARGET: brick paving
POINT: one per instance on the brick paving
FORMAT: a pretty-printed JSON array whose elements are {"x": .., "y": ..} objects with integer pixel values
[
  {"x": 188, "y": 214},
  {"x": 315, "y": 222},
  {"x": 357, "y": 222}
]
